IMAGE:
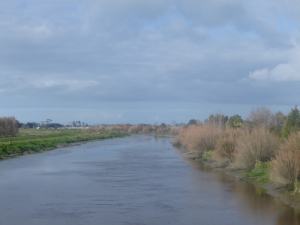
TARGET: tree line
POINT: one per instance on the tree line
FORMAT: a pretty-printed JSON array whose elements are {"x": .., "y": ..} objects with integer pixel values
[{"x": 278, "y": 123}]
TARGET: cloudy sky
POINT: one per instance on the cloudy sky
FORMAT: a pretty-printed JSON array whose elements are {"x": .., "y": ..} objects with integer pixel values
[{"x": 118, "y": 61}]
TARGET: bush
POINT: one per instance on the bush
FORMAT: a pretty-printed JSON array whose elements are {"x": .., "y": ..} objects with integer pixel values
[
  {"x": 134, "y": 129},
  {"x": 9, "y": 126},
  {"x": 285, "y": 168},
  {"x": 292, "y": 122},
  {"x": 199, "y": 138},
  {"x": 225, "y": 148},
  {"x": 175, "y": 130},
  {"x": 256, "y": 145}
]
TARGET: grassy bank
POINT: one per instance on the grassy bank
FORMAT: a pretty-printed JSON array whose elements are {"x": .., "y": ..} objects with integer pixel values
[{"x": 33, "y": 140}]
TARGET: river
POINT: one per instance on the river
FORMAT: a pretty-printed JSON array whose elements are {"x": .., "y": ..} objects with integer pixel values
[{"x": 135, "y": 180}]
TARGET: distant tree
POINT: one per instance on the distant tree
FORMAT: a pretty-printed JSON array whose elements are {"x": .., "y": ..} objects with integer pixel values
[
  {"x": 217, "y": 120},
  {"x": 48, "y": 121},
  {"x": 260, "y": 116},
  {"x": 234, "y": 121},
  {"x": 192, "y": 121},
  {"x": 31, "y": 125},
  {"x": 277, "y": 123},
  {"x": 292, "y": 122},
  {"x": 163, "y": 125}
]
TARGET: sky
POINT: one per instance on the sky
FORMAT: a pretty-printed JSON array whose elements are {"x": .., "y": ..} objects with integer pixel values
[{"x": 134, "y": 61}]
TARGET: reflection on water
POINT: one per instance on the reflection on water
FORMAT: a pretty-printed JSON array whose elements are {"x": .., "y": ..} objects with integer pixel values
[
  {"x": 141, "y": 179},
  {"x": 255, "y": 201}
]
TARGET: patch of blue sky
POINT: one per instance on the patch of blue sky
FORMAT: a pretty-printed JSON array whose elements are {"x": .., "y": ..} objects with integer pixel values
[
  {"x": 227, "y": 30},
  {"x": 164, "y": 20},
  {"x": 285, "y": 24},
  {"x": 24, "y": 3},
  {"x": 168, "y": 17}
]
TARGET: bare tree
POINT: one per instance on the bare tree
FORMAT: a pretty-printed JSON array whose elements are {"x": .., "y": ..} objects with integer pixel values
[{"x": 260, "y": 116}]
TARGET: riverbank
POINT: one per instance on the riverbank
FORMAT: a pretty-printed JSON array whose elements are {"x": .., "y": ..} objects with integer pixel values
[
  {"x": 31, "y": 140},
  {"x": 283, "y": 194}
]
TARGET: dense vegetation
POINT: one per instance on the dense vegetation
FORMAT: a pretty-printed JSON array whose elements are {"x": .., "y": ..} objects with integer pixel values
[
  {"x": 9, "y": 126},
  {"x": 35, "y": 140},
  {"x": 137, "y": 129},
  {"x": 265, "y": 144}
]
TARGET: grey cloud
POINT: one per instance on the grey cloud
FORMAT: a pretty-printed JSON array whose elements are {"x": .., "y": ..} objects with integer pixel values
[{"x": 89, "y": 52}]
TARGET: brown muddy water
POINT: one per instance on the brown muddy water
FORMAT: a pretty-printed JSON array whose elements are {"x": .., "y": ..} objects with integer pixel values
[{"x": 140, "y": 179}]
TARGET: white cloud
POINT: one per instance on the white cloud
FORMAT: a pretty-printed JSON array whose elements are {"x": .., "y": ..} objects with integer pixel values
[
  {"x": 71, "y": 84},
  {"x": 289, "y": 71}
]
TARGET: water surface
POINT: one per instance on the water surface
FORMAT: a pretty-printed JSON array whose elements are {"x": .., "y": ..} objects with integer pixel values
[{"x": 140, "y": 179}]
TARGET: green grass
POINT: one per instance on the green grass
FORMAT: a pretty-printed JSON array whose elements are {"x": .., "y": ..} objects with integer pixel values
[
  {"x": 46, "y": 139},
  {"x": 259, "y": 173},
  {"x": 207, "y": 155}
]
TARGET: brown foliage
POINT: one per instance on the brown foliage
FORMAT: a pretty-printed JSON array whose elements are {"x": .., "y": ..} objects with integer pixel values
[
  {"x": 226, "y": 147},
  {"x": 260, "y": 116},
  {"x": 134, "y": 129},
  {"x": 9, "y": 126},
  {"x": 126, "y": 127},
  {"x": 258, "y": 144},
  {"x": 146, "y": 129},
  {"x": 199, "y": 138},
  {"x": 285, "y": 168},
  {"x": 175, "y": 130}
]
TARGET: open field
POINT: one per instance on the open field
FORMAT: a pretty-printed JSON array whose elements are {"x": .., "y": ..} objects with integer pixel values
[{"x": 33, "y": 140}]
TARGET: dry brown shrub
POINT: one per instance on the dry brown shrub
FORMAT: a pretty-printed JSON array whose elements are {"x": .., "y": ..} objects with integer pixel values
[
  {"x": 9, "y": 126},
  {"x": 200, "y": 138},
  {"x": 146, "y": 129},
  {"x": 108, "y": 128},
  {"x": 285, "y": 168},
  {"x": 224, "y": 152},
  {"x": 117, "y": 127},
  {"x": 134, "y": 129},
  {"x": 175, "y": 130},
  {"x": 258, "y": 144},
  {"x": 178, "y": 139},
  {"x": 126, "y": 127}
]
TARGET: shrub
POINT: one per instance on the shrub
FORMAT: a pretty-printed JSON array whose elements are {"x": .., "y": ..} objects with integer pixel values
[
  {"x": 146, "y": 129},
  {"x": 292, "y": 122},
  {"x": 175, "y": 130},
  {"x": 256, "y": 145},
  {"x": 199, "y": 138},
  {"x": 225, "y": 148},
  {"x": 133, "y": 129},
  {"x": 285, "y": 168},
  {"x": 9, "y": 126}
]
